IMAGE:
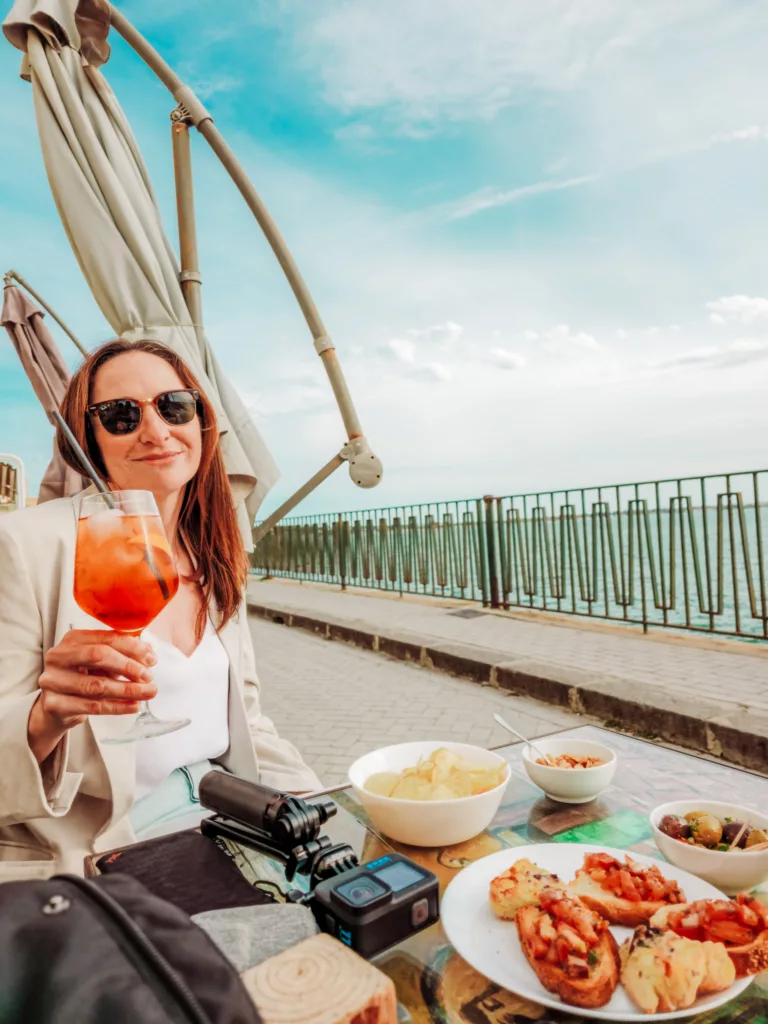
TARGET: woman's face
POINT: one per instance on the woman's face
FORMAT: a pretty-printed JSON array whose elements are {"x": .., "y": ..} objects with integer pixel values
[{"x": 156, "y": 457}]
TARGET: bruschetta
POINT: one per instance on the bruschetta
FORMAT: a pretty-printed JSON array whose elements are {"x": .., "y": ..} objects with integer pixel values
[
  {"x": 741, "y": 925},
  {"x": 626, "y": 893},
  {"x": 519, "y": 886},
  {"x": 662, "y": 971},
  {"x": 570, "y": 948}
]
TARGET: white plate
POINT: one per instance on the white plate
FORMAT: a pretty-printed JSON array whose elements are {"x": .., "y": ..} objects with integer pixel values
[{"x": 492, "y": 946}]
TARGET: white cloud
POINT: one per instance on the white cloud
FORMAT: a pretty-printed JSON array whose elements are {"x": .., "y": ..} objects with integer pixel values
[
  {"x": 738, "y": 309},
  {"x": 402, "y": 349},
  {"x": 287, "y": 399},
  {"x": 487, "y": 198},
  {"x": 470, "y": 62},
  {"x": 206, "y": 86},
  {"x": 443, "y": 334},
  {"x": 621, "y": 333},
  {"x": 507, "y": 360},
  {"x": 562, "y": 340},
  {"x": 530, "y": 335},
  {"x": 738, "y": 353},
  {"x": 412, "y": 355},
  {"x": 432, "y": 372},
  {"x": 752, "y": 133}
]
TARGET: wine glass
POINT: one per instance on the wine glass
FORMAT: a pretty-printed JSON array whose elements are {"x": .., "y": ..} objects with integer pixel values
[{"x": 125, "y": 574}]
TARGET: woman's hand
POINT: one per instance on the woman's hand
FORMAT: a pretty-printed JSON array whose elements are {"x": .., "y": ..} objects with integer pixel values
[{"x": 89, "y": 672}]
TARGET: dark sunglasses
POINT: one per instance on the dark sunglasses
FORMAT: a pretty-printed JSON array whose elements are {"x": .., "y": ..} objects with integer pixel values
[{"x": 123, "y": 415}]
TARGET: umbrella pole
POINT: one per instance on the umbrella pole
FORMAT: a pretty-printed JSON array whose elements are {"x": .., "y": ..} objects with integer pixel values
[
  {"x": 262, "y": 529},
  {"x": 364, "y": 467},
  {"x": 11, "y": 275},
  {"x": 190, "y": 278}
]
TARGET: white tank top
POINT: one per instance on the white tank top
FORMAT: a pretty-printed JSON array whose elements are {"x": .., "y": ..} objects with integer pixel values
[{"x": 194, "y": 687}]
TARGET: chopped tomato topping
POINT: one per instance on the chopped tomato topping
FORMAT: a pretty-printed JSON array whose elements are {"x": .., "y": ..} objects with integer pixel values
[
  {"x": 732, "y": 922},
  {"x": 572, "y": 938},
  {"x": 574, "y": 913},
  {"x": 632, "y": 881},
  {"x": 565, "y": 933},
  {"x": 730, "y": 932},
  {"x": 628, "y": 888},
  {"x": 561, "y": 950}
]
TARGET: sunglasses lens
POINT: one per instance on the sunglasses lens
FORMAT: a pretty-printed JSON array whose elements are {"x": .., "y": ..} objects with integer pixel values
[
  {"x": 177, "y": 407},
  {"x": 120, "y": 417}
]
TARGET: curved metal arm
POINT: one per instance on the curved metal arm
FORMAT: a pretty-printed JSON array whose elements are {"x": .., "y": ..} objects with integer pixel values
[
  {"x": 203, "y": 121},
  {"x": 12, "y": 275}
]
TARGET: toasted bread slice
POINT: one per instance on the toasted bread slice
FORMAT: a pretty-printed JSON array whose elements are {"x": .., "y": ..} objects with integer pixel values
[
  {"x": 589, "y": 992},
  {"x": 624, "y": 892},
  {"x": 519, "y": 886},
  {"x": 663, "y": 972},
  {"x": 748, "y": 957},
  {"x": 613, "y": 908}
]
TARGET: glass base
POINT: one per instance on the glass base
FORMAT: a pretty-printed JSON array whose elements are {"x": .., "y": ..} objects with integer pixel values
[{"x": 146, "y": 726}]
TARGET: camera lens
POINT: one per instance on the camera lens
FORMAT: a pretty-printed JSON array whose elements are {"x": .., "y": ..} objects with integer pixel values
[{"x": 361, "y": 891}]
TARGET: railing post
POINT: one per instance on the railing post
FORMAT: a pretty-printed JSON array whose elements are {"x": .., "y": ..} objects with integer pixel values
[
  {"x": 342, "y": 552},
  {"x": 490, "y": 550}
]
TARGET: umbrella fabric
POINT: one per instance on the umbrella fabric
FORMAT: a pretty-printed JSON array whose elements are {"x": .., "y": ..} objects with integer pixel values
[
  {"x": 108, "y": 208},
  {"x": 48, "y": 375}
]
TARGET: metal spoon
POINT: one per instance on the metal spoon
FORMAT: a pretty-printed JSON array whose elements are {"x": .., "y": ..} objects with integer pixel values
[{"x": 520, "y": 736}]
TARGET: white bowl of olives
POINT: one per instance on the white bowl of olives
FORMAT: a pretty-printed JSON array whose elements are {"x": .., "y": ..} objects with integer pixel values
[{"x": 722, "y": 843}]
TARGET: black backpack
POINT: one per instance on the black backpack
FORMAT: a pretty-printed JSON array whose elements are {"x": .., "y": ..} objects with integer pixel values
[{"x": 107, "y": 951}]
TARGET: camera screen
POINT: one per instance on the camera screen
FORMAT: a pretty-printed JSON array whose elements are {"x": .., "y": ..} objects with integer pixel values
[{"x": 399, "y": 876}]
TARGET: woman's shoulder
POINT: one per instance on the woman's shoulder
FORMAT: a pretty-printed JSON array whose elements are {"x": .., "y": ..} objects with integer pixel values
[{"x": 39, "y": 525}]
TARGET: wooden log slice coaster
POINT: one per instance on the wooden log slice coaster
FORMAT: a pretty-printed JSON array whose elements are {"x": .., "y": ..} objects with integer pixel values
[{"x": 320, "y": 981}]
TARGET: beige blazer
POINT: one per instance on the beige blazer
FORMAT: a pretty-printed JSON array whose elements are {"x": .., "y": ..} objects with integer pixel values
[{"x": 79, "y": 806}]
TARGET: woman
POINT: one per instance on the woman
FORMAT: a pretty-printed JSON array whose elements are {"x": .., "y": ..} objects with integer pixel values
[{"x": 67, "y": 684}]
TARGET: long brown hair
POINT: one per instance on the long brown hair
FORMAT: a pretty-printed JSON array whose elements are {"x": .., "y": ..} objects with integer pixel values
[{"x": 207, "y": 524}]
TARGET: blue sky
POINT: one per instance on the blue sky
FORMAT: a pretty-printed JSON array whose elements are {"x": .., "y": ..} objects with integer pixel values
[{"x": 537, "y": 232}]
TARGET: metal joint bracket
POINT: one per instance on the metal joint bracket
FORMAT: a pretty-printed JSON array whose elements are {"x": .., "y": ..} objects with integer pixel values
[
  {"x": 365, "y": 468},
  {"x": 323, "y": 343},
  {"x": 191, "y": 275},
  {"x": 191, "y": 106},
  {"x": 181, "y": 115}
]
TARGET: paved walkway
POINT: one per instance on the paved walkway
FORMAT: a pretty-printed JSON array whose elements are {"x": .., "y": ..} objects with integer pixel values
[
  {"x": 337, "y": 702},
  {"x": 713, "y": 697}
]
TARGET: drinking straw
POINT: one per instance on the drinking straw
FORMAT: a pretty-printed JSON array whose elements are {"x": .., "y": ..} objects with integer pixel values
[
  {"x": 85, "y": 462},
  {"x": 87, "y": 465}
]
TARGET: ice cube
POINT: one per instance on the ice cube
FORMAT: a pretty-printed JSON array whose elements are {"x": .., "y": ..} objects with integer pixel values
[{"x": 102, "y": 524}]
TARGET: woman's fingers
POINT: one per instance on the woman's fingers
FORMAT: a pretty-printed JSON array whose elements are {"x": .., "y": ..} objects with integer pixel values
[
  {"x": 68, "y": 708},
  {"x": 78, "y": 684},
  {"x": 100, "y": 654}
]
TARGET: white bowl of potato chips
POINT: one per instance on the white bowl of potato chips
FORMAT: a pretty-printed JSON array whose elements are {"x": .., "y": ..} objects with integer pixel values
[{"x": 430, "y": 793}]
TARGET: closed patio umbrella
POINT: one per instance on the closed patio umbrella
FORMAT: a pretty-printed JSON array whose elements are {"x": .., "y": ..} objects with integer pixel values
[
  {"x": 109, "y": 212},
  {"x": 48, "y": 375}
]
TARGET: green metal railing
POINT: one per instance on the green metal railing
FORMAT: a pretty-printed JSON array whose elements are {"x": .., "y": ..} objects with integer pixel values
[{"x": 685, "y": 554}]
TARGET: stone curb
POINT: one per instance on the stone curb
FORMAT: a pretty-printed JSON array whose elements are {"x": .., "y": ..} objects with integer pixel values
[{"x": 718, "y": 728}]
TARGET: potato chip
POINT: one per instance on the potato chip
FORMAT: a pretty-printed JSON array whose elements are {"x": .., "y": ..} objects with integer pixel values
[
  {"x": 413, "y": 787},
  {"x": 444, "y": 775},
  {"x": 382, "y": 783}
]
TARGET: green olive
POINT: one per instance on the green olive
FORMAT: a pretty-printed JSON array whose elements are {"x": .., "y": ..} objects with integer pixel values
[
  {"x": 707, "y": 830},
  {"x": 756, "y": 836}
]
